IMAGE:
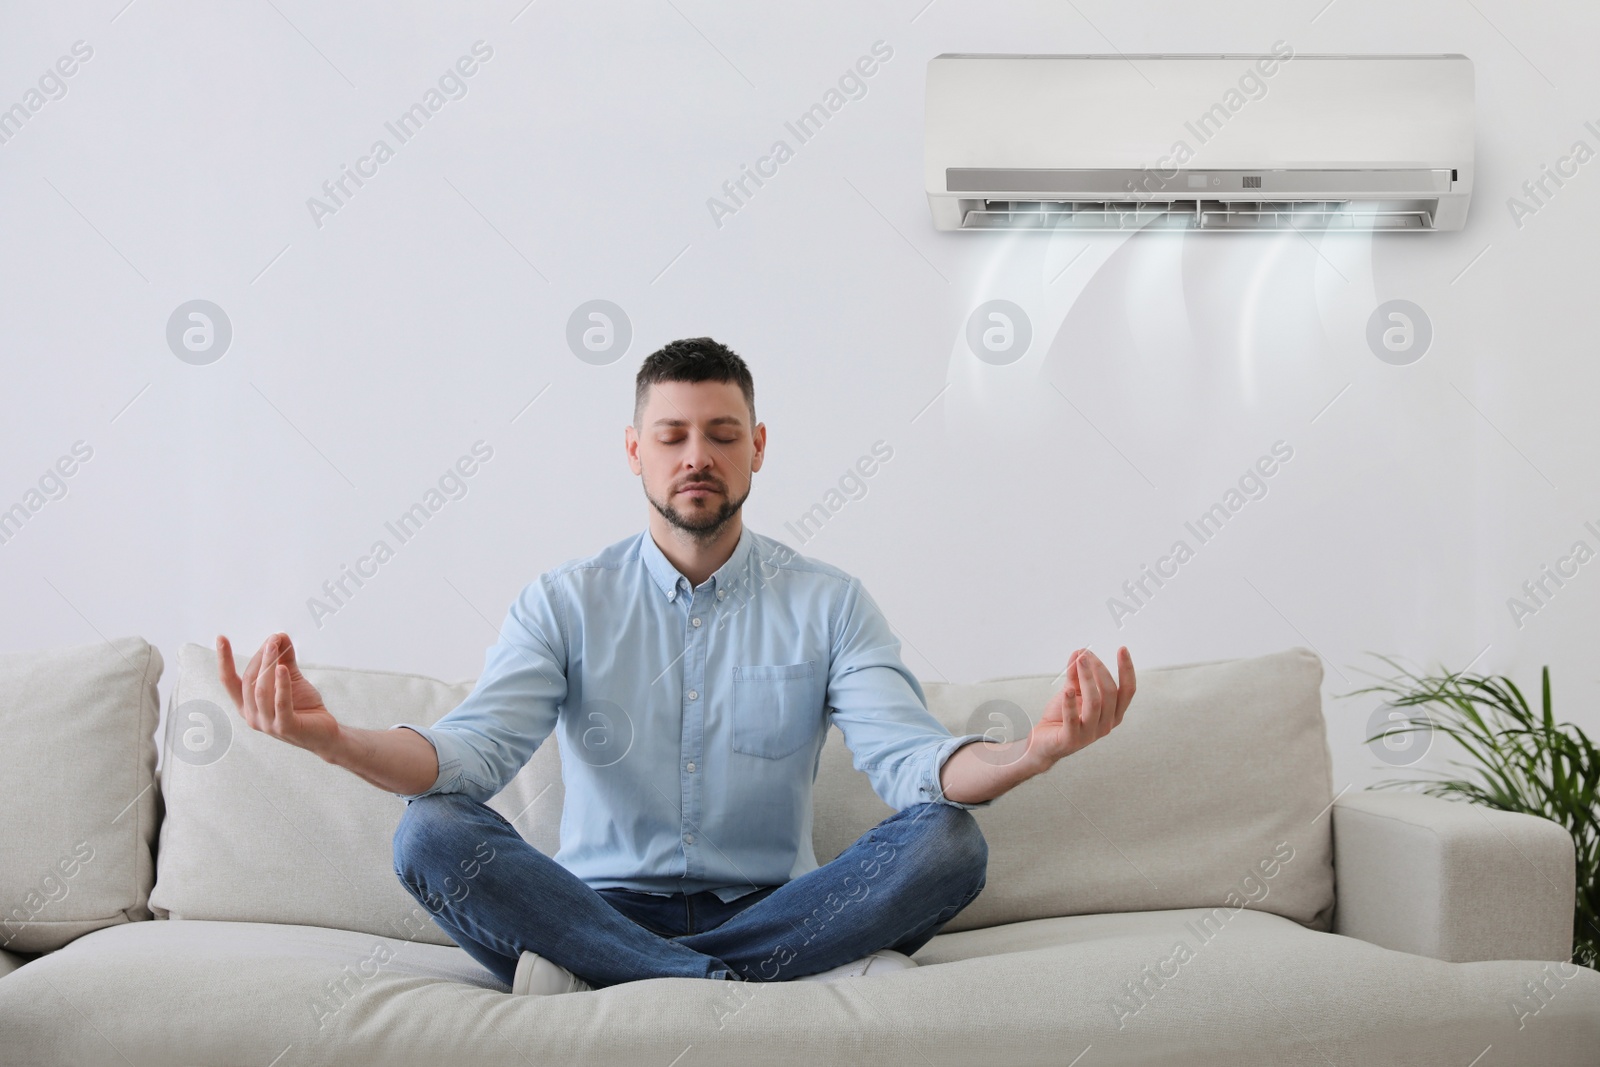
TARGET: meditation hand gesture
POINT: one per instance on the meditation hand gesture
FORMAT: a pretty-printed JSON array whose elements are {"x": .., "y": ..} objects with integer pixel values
[
  {"x": 1088, "y": 706},
  {"x": 275, "y": 698}
]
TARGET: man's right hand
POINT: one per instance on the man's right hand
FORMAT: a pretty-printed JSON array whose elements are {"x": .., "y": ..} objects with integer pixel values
[{"x": 275, "y": 698}]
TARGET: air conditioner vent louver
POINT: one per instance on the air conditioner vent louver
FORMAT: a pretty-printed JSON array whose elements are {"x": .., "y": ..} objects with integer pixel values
[{"x": 1199, "y": 215}]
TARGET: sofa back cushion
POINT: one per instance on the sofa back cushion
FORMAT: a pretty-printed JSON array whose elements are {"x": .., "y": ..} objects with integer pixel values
[
  {"x": 78, "y": 807},
  {"x": 257, "y": 830},
  {"x": 1213, "y": 792}
]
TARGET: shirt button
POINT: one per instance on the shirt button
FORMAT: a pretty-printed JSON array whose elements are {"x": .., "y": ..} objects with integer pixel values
[
  {"x": 721, "y": 593},
  {"x": 690, "y": 767},
  {"x": 693, "y": 696},
  {"x": 695, "y": 621},
  {"x": 688, "y": 839}
]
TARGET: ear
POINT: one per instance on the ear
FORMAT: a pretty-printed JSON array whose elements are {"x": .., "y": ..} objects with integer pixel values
[
  {"x": 759, "y": 439},
  {"x": 630, "y": 444}
]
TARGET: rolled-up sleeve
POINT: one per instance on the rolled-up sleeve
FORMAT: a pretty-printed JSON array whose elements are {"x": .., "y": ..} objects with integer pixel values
[
  {"x": 488, "y": 737},
  {"x": 929, "y": 788},
  {"x": 882, "y": 711}
]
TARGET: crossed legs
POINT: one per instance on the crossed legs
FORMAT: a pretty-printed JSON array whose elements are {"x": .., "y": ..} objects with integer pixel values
[{"x": 497, "y": 896}]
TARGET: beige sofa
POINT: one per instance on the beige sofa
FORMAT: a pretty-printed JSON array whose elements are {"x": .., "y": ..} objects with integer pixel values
[{"x": 1194, "y": 889}]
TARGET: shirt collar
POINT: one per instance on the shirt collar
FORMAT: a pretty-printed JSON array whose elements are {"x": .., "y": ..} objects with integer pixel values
[{"x": 667, "y": 576}]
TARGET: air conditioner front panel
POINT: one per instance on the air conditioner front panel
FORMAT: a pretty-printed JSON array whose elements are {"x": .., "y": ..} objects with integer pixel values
[
  {"x": 1192, "y": 183},
  {"x": 1093, "y": 127}
]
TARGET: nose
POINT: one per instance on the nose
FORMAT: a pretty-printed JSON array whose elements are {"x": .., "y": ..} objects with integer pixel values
[{"x": 698, "y": 460}]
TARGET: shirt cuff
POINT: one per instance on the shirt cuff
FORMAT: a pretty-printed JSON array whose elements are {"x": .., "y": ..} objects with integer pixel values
[
  {"x": 448, "y": 779},
  {"x": 930, "y": 790}
]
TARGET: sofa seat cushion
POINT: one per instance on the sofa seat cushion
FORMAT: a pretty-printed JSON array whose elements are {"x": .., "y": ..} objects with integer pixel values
[{"x": 1262, "y": 989}]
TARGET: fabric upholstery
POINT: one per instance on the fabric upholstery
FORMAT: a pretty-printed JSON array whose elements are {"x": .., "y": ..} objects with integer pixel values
[
  {"x": 1453, "y": 880},
  {"x": 1141, "y": 909},
  {"x": 78, "y": 808},
  {"x": 267, "y": 832},
  {"x": 1217, "y": 771},
  {"x": 10, "y": 961},
  {"x": 1262, "y": 989}
]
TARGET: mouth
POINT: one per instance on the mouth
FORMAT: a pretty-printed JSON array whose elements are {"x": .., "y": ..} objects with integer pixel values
[{"x": 698, "y": 489}]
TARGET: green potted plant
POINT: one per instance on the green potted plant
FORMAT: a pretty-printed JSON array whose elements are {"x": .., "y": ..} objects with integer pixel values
[{"x": 1520, "y": 760}]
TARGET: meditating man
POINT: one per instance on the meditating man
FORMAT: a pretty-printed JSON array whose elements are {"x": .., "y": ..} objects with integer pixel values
[{"x": 692, "y": 670}]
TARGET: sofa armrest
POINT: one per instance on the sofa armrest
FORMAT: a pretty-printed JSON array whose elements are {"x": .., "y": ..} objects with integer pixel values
[{"x": 1451, "y": 880}]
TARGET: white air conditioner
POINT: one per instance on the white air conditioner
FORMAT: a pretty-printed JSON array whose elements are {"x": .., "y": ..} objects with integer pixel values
[{"x": 1213, "y": 142}]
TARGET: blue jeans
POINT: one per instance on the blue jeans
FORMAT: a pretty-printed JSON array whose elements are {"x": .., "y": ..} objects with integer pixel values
[{"x": 497, "y": 896}]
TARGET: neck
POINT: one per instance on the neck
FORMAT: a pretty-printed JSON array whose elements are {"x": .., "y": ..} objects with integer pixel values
[{"x": 695, "y": 557}]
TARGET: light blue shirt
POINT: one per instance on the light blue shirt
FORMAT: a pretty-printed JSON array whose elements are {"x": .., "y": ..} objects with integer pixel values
[{"x": 692, "y": 719}]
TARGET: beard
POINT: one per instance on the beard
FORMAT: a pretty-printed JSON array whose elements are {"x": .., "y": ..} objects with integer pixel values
[{"x": 703, "y": 522}]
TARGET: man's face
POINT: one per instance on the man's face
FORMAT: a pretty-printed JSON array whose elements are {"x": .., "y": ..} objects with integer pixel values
[{"x": 695, "y": 450}]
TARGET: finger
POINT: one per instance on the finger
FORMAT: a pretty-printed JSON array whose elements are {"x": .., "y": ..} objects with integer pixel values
[
  {"x": 1126, "y": 683},
  {"x": 1106, "y": 691},
  {"x": 283, "y": 705},
  {"x": 1072, "y": 696},
  {"x": 248, "y": 685},
  {"x": 272, "y": 655},
  {"x": 1071, "y": 685},
  {"x": 227, "y": 672},
  {"x": 1106, "y": 688},
  {"x": 1089, "y": 701},
  {"x": 265, "y": 691},
  {"x": 286, "y": 652}
]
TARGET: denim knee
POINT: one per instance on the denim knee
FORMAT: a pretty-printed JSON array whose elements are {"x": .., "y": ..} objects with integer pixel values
[
  {"x": 424, "y": 824},
  {"x": 961, "y": 842}
]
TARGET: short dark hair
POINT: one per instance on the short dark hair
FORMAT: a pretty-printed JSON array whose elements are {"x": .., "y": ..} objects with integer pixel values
[{"x": 693, "y": 359}]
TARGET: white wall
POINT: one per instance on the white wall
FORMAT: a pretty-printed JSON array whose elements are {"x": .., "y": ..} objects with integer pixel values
[{"x": 370, "y": 352}]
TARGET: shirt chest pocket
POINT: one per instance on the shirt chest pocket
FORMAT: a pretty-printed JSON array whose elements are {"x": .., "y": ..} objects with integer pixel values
[{"x": 777, "y": 709}]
